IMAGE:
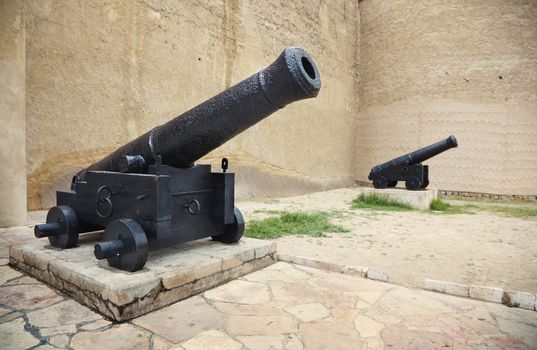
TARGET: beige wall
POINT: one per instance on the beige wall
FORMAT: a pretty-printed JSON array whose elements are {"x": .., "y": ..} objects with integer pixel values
[
  {"x": 396, "y": 75},
  {"x": 12, "y": 127},
  {"x": 430, "y": 68},
  {"x": 98, "y": 74}
]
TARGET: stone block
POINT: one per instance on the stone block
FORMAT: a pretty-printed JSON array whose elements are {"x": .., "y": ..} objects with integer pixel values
[
  {"x": 378, "y": 275},
  {"x": 451, "y": 288},
  {"x": 170, "y": 274},
  {"x": 435, "y": 286},
  {"x": 323, "y": 265},
  {"x": 519, "y": 299},
  {"x": 416, "y": 199},
  {"x": 491, "y": 294},
  {"x": 354, "y": 270},
  {"x": 310, "y": 262}
]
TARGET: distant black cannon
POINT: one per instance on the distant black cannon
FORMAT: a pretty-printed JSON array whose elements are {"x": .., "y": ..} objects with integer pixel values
[
  {"x": 148, "y": 194},
  {"x": 408, "y": 168}
]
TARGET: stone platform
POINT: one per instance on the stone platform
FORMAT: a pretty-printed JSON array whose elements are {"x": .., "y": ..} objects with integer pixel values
[
  {"x": 169, "y": 275},
  {"x": 416, "y": 199}
]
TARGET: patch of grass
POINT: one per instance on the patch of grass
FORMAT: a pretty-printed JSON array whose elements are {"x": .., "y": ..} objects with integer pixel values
[
  {"x": 377, "y": 202},
  {"x": 438, "y": 205},
  {"x": 292, "y": 223},
  {"x": 517, "y": 212}
]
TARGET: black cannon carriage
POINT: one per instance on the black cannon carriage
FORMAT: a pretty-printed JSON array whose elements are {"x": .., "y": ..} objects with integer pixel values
[
  {"x": 408, "y": 168},
  {"x": 149, "y": 194}
]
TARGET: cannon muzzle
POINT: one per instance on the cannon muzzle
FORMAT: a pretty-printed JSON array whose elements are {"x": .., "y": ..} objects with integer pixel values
[
  {"x": 418, "y": 156},
  {"x": 190, "y": 136}
]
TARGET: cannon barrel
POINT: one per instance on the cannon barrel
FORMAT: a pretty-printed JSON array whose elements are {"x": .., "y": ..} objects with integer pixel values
[
  {"x": 418, "y": 156},
  {"x": 180, "y": 142}
]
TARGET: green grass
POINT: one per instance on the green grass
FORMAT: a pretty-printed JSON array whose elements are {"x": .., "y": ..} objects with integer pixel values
[
  {"x": 374, "y": 201},
  {"x": 517, "y": 212},
  {"x": 438, "y": 205},
  {"x": 292, "y": 223}
]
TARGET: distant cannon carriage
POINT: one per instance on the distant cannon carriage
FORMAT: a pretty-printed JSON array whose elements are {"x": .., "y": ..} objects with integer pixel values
[
  {"x": 148, "y": 194},
  {"x": 408, "y": 168}
]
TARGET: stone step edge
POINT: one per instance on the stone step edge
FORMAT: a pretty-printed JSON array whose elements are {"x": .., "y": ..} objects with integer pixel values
[
  {"x": 353, "y": 270},
  {"x": 509, "y": 298}
]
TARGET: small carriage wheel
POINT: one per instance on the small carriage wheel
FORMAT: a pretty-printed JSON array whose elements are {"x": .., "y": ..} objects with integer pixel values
[
  {"x": 380, "y": 182},
  {"x": 413, "y": 183},
  {"x": 124, "y": 245},
  {"x": 232, "y": 232},
  {"x": 62, "y": 227}
]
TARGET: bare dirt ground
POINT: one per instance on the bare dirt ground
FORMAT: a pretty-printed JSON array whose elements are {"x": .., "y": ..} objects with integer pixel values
[{"x": 484, "y": 248}]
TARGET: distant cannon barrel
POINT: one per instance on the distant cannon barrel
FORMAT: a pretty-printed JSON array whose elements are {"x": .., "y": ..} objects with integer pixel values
[
  {"x": 418, "y": 156},
  {"x": 180, "y": 142}
]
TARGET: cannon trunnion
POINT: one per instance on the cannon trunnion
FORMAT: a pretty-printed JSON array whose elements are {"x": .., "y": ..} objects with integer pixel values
[
  {"x": 149, "y": 194},
  {"x": 408, "y": 168}
]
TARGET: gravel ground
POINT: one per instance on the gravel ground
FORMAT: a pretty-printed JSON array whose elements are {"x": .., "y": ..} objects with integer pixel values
[{"x": 484, "y": 248}]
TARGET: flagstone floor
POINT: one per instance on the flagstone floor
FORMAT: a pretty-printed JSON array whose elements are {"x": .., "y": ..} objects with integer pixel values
[
  {"x": 280, "y": 307},
  {"x": 283, "y": 306}
]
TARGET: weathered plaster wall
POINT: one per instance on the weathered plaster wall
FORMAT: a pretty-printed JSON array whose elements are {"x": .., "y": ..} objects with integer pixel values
[
  {"x": 100, "y": 73},
  {"x": 430, "y": 68},
  {"x": 12, "y": 128}
]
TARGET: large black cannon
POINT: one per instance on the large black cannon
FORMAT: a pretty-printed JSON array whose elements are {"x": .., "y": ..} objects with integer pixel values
[
  {"x": 408, "y": 168},
  {"x": 148, "y": 194}
]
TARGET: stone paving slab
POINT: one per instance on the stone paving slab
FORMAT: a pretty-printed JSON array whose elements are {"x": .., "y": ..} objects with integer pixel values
[
  {"x": 282, "y": 306},
  {"x": 169, "y": 275},
  {"x": 298, "y": 307}
]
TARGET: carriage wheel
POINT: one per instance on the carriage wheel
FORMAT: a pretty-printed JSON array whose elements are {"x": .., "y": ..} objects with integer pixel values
[
  {"x": 413, "y": 184},
  {"x": 232, "y": 232},
  {"x": 124, "y": 245},
  {"x": 380, "y": 182},
  {"x": 62, "y": 227}
]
